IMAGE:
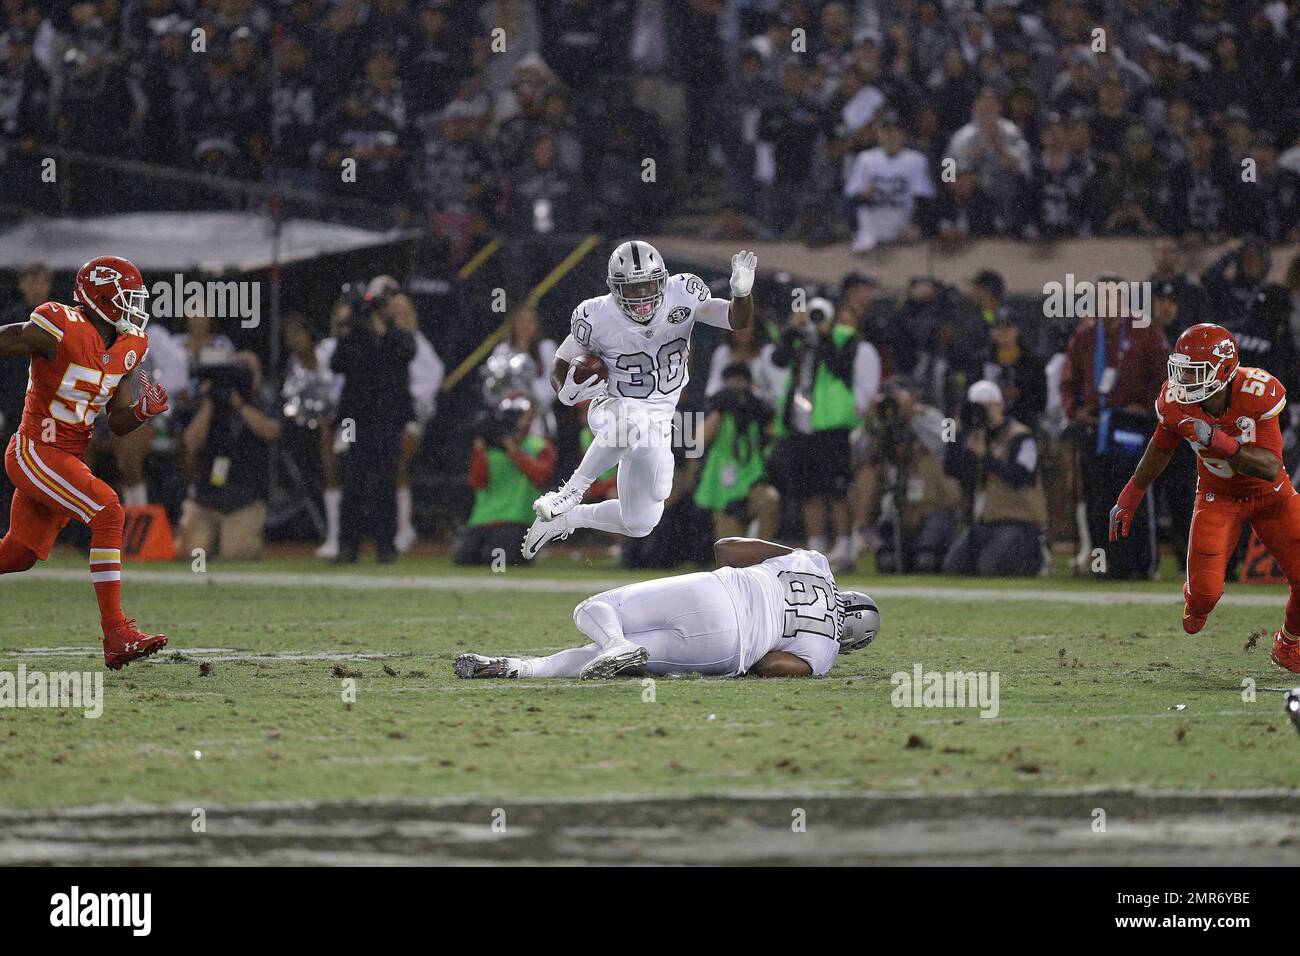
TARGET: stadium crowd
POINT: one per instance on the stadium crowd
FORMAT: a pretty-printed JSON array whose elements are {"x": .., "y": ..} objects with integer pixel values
[{"x": 1059, "y": 117}]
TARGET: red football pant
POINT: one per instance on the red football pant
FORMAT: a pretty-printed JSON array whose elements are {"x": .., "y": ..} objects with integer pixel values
[
  {"x": 1216, "y": 527},
  {"x": 51, "y": 488}
]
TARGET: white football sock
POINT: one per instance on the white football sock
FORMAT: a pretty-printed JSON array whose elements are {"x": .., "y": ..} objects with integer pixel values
[
  {"x": 135, "y": 495},
  {"x": 333, "y": 504},
  {"x": 566, "y": 663},
  {"x": 817, "y": 542},
  {"x": 404, "y": 508}
]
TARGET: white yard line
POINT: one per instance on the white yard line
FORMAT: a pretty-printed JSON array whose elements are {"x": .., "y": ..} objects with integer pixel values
[{"x": 508, "y": 582}]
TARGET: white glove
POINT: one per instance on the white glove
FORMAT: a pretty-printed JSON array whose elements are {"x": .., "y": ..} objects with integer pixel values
[
  {"x": 743, "y": 265},
  {"x": 571, "y": 393}
]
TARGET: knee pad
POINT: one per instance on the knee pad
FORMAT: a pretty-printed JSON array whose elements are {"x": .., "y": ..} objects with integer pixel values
[
  {"x": 110, "y": 518},
  {"x": 644, "y": 521},
  {"x": 1201, "y": 597}
]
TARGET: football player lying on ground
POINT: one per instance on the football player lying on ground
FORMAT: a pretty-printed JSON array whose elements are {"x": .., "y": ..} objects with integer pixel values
[
  {"x": 81, "y": 356},
  {"x": 1230, "y": 417},
  {"x": 768, "y": 610}
]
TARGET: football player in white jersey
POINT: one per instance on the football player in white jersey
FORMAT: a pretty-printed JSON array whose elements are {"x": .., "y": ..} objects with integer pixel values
[
  {"x": 767, "y": 610},
  {"x": 642, "y": 330}
]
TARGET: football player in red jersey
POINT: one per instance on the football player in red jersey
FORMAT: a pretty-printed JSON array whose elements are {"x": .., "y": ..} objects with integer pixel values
[
  {"x": 1229, "y": 414},
  {"x": 80, "y": 355}
]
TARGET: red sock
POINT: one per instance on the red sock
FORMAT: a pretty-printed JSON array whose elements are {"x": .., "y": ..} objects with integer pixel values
[
  {"x": 15, "y": 556},
  {"x": 106, "y": 573}
]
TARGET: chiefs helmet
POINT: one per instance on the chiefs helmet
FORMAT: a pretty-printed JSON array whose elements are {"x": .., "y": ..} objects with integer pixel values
[
  {"x": 113, "y": 289},
  {"x": 1204, "y": 361},
  {"x": 637, "y": 278}
]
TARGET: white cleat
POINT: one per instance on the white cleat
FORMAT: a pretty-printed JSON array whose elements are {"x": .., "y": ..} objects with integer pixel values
[
  {"x": 328, "y": 551},
  {"x": 614, "y": 660},
  {"x": 540, "y": 533},
  {"x": 403, "y": 540},
  {"x": 556, "y": 503},
  {"x": 476, "y": 665}
]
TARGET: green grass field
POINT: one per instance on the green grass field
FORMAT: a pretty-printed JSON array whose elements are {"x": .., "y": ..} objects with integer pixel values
[{"x": 254, "y": 675}]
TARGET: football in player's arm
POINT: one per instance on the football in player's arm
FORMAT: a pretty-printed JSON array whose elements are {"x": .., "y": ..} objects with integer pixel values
[{"x": 740, "y": 315}]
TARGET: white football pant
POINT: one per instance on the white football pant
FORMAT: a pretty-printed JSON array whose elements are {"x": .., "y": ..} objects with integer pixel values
[
  {"x": 642, "y": 448},
  {"x": 687, "y": 623}
]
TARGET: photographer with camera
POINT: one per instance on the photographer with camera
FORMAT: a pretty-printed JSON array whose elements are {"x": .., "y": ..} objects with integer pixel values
[
  {"x": 373, "y": 355},
  {"x": 508, "y": 468},
  {"x": 732, "y": 482},
  {"x": 995, "y": 457},
  {"x": 920, "y": 504},
  {"x": 224, "y": 452},
  {"x": 816, "y": 416}
]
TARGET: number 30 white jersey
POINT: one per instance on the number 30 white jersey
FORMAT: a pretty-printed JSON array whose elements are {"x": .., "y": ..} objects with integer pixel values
[
  {"x": 786, "y": 604},
  {"x": 647, "y": 362}
]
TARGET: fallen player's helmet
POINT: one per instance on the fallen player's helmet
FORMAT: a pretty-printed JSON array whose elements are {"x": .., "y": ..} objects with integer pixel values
[
  {"x": 860, "y": 620},
  {"x": 1204, "y": 360},
  {"x": 114, "y": 290},
  {"x": 637, "y": 278}
]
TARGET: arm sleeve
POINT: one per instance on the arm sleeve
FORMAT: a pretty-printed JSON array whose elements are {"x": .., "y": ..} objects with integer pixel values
[
  {"x": 478, "y": 469},
  {"x": 1021, "y": 465},
  {"x": 817, "y": 652},
  {"x": 866, "y": 376},
  {"x": 51, "y": 318},
  {"x": 569, "y": 350},
  {"x": 537, "y": 470},
  {"x": 715, "y": 312}
]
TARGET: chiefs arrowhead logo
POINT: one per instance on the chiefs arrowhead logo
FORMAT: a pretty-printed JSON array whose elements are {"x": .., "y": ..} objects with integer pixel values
[
  {"x": 103, "y": 275},
  {"x": 1224, "y": 350}
]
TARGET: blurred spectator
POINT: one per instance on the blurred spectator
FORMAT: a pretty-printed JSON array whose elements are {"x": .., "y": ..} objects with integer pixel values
[
  {"x": 1134, "y": 192},
  {"x": 527, "y": 339},
  {"x": 425, "y": 374},
  {"x": 374, "y": 356},
  {"x": 1241, "y": 298},
  {"x": 995, "y": 457},
  {"x": 309, "y": 379},
  {"x": 750, "y": 347},
  {"x": 1113, "y": 371},
  {"x": 509, "y": 467},
  {"x": 920, "y": 504},
  {"x": 225, "y": 454},
  {"x": 995, "y": 150},
  {"x": 732, "y": 482},
  {"x": 816, "y": 417},
  {"x": 886, "y": 184}
]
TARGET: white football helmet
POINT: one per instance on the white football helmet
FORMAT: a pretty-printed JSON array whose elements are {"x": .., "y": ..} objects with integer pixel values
[
  {"x": 860, "y": 620},
  {"x": 637, "y": 278}
]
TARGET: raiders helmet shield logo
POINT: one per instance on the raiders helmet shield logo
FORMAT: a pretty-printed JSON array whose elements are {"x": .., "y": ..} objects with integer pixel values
[
  {"x": 130, "y": 360},
  {"x": 679, "y": 315},
  {"x": 103, "y": 275}
]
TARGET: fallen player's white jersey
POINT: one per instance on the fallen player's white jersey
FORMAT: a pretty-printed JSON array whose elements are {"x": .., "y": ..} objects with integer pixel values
[
  {"x": 786, "y": 604},
  {"x": 648, "y": 362}
]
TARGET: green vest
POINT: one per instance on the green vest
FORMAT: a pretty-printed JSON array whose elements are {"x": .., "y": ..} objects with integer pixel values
[
  {"x": 508, "y": 497},
  {"x": 832, "y": 398},
  {"x": 731, "y": 467}
]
